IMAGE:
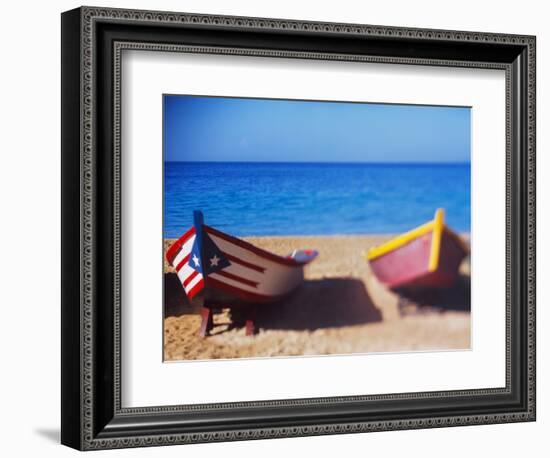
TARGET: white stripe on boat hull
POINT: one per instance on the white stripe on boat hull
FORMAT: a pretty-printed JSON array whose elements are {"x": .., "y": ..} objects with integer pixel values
[
  {"x": 193, "y": 282},
  {"x": 185, "y": 250}
]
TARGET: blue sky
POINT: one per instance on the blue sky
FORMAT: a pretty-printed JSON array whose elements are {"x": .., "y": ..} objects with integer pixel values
[{"x": 200, "y": 128}]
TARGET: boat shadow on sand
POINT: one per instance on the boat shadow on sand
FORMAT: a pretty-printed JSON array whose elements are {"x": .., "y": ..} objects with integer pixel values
[
  {"x": 316, "y": 304},
  {"x": 455, "y": 298},
  {"x": 175, "y": 300},
  {"x": 321, "y": 303}
]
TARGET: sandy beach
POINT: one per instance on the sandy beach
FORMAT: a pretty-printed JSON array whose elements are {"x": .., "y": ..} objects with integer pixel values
[{"x": 340, "y": 308}]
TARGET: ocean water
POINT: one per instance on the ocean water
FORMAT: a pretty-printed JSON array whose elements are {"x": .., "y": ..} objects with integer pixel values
[{"x": 245, "y": 199}]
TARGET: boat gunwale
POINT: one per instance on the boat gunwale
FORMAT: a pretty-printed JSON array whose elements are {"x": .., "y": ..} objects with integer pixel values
[
  {"x": 290, "y": 262},
  {"x": 176, "y": 246},
  {"x": 435, "y": 225},
  {"x": 399, "y": 241}
]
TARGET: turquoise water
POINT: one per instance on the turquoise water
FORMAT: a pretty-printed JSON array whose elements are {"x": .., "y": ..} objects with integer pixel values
[{"x": 314, "y": 198}]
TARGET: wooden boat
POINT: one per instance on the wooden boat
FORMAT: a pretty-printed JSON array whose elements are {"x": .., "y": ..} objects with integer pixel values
[
  {"x": 225, "y": 271},
  {"x": 426, "y": 257}
]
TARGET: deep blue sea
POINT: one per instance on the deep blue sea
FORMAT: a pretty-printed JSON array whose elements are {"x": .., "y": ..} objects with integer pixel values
[{"x": 314, "y": 198}]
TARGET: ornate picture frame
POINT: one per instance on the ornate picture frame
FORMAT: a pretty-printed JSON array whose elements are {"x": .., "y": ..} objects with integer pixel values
[{"x": 93, "y": 416}]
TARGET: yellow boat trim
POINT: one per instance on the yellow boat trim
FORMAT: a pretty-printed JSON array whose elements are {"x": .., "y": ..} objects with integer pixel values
[
  {"x": 438, "y": 226},
  {"x": 399, "y": 241}
]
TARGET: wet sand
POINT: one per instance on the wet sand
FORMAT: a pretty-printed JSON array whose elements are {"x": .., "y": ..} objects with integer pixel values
[{"x": 340, "y": 308}]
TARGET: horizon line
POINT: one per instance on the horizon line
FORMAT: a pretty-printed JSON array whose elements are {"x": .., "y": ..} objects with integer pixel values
[{"x": 328, "y": 162}]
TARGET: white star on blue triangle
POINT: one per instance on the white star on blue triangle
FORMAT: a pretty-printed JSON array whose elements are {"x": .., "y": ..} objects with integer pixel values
[{"x": 210, "y": 260}]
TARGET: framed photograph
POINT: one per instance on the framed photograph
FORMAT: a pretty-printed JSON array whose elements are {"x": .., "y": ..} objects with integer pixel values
[{"x": 276, "y": 228}]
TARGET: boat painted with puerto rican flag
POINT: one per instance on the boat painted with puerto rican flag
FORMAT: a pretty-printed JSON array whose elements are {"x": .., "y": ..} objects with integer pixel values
[{"x": 225, "y": 271}]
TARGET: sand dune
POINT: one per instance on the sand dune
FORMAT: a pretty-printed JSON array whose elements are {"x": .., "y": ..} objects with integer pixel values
[{"x": 340, "y": 308}]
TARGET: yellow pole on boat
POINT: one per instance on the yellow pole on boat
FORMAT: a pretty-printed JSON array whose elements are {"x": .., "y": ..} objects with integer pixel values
[{"x": 439, "y": 221}]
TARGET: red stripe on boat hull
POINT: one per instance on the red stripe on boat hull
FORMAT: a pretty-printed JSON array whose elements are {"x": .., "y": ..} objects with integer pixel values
[
  {"x": 244, "y": 263},
  {"x": 237, "y": 278},
  {"x": 176, "y": 246},
  {"x": 190, "y": 278},
  {"x": 183, "y": 262},
  {"x": 258, "y": 251},
  {"x": 196, "y": 289},
  {"x": 236, "y": 294}
]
